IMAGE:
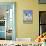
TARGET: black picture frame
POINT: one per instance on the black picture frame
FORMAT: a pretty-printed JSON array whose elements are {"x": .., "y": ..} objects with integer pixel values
[{"x": 42, "y": 1}]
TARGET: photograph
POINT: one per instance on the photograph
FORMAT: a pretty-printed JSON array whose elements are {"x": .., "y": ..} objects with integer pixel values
[{"x": 27, "y": 16}]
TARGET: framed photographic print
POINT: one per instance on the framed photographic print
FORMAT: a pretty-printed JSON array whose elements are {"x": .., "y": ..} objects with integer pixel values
[
  {"x": 42, "y": 1},
  {"x": 27, "y": 16},
  {"x": 7, "y": 20}
]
